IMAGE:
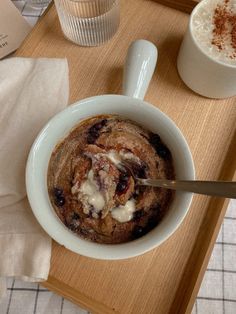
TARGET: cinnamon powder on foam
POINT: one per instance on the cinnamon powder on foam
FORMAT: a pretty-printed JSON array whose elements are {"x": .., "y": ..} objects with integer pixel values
[{"x": 224, "y": 22}]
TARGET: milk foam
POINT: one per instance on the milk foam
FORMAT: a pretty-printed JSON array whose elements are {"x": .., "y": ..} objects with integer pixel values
[{"x": 203, "y": 26}]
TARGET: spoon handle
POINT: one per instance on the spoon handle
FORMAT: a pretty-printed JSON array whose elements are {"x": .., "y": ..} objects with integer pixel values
[{"x": 215, "y": 188}]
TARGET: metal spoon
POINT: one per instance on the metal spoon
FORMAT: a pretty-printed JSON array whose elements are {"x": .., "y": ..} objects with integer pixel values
[{"x": 225, "y": 189}]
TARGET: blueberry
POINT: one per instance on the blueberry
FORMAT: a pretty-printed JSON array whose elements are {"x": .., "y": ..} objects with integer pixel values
[
  {"x": 59, "y": 198},
  {"x": 121, "y": 187},
  {"x": 75, "y": 216},
  {"x": 138, "y": 214},
  {"x": 163, "y": 151},
  {"x": 60, "y": 201},
  {"x": 123, "y": 182},
  {"x": 95, "y": 128},
  {"x": 99, "y": 125},
  {"x": 152, "y": 222},
  {"x": 72, "y": 227},
  {"x": 124, "y": 176},
  {"x": 159, "y": 147},
  {"x": 156, "y": 207},
  {"x": 140, "y": 170},
  {"x": 142, "y": 173},
  {"x": 104, "y": 122},
  {"x": 92, "y": 137},
  {"x": 154, "y": 139},
  {"x": 57, "y": 192},
  {"x": 138, "y": 232}
]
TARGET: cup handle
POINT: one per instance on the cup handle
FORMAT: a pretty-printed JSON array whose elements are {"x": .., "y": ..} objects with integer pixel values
[{"x": 139, "y": 67}]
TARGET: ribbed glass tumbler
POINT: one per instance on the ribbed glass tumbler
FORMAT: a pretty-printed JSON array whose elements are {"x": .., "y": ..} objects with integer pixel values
[{"x": 88, "y": 22}]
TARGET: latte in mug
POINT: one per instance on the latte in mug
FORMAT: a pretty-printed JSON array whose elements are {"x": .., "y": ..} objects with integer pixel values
[{"x": 214, "y": 29}]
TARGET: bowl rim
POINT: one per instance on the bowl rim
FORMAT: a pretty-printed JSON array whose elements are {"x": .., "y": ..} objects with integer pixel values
[{"x": 83, "y": 247}]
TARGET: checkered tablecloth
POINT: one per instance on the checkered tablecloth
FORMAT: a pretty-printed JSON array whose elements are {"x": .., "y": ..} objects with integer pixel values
[
  {"x": 217, "y": 294},
  {"x": 31, "y": 13},
  {"x": 31, "y": 298}
]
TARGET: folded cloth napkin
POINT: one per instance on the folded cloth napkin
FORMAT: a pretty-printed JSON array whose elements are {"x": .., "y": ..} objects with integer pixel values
[{"x": 31, "y": 92}]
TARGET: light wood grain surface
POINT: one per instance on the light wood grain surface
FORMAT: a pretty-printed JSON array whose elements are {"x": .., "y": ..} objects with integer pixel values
[{"x": 166, "y": 279}]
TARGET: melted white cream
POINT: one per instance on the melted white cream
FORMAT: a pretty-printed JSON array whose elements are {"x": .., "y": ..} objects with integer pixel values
[
  {"x": 114, "y": 157},
  {"x": 128, "y": 156},
  {"x": 124, "y": 213},
  {"x": 91, "y": 193},
  {"x": 117, "y": 157}
]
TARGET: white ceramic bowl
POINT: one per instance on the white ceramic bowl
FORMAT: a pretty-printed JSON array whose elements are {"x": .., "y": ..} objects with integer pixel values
[{"x": 135, "y": 109}]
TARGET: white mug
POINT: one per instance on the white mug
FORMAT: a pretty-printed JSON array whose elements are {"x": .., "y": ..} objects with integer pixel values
[{"x": 201, "y": 72}]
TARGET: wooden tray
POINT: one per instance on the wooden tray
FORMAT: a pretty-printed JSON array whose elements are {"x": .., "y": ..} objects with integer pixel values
[{"x": 165, "y": 280}]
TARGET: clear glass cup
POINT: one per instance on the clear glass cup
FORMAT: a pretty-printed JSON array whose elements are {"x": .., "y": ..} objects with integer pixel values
[{"x": 88, "y": 22}]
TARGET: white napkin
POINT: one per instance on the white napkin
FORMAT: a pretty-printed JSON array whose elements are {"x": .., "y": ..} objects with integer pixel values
[{"x": 31, "y": 92}]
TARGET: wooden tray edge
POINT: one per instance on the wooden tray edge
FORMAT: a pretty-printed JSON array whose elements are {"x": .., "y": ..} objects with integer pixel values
[
  {"x": 181, "y": 5},
  {"x": 73, "y": 295},
  {"x": 201, "y": 253}
]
